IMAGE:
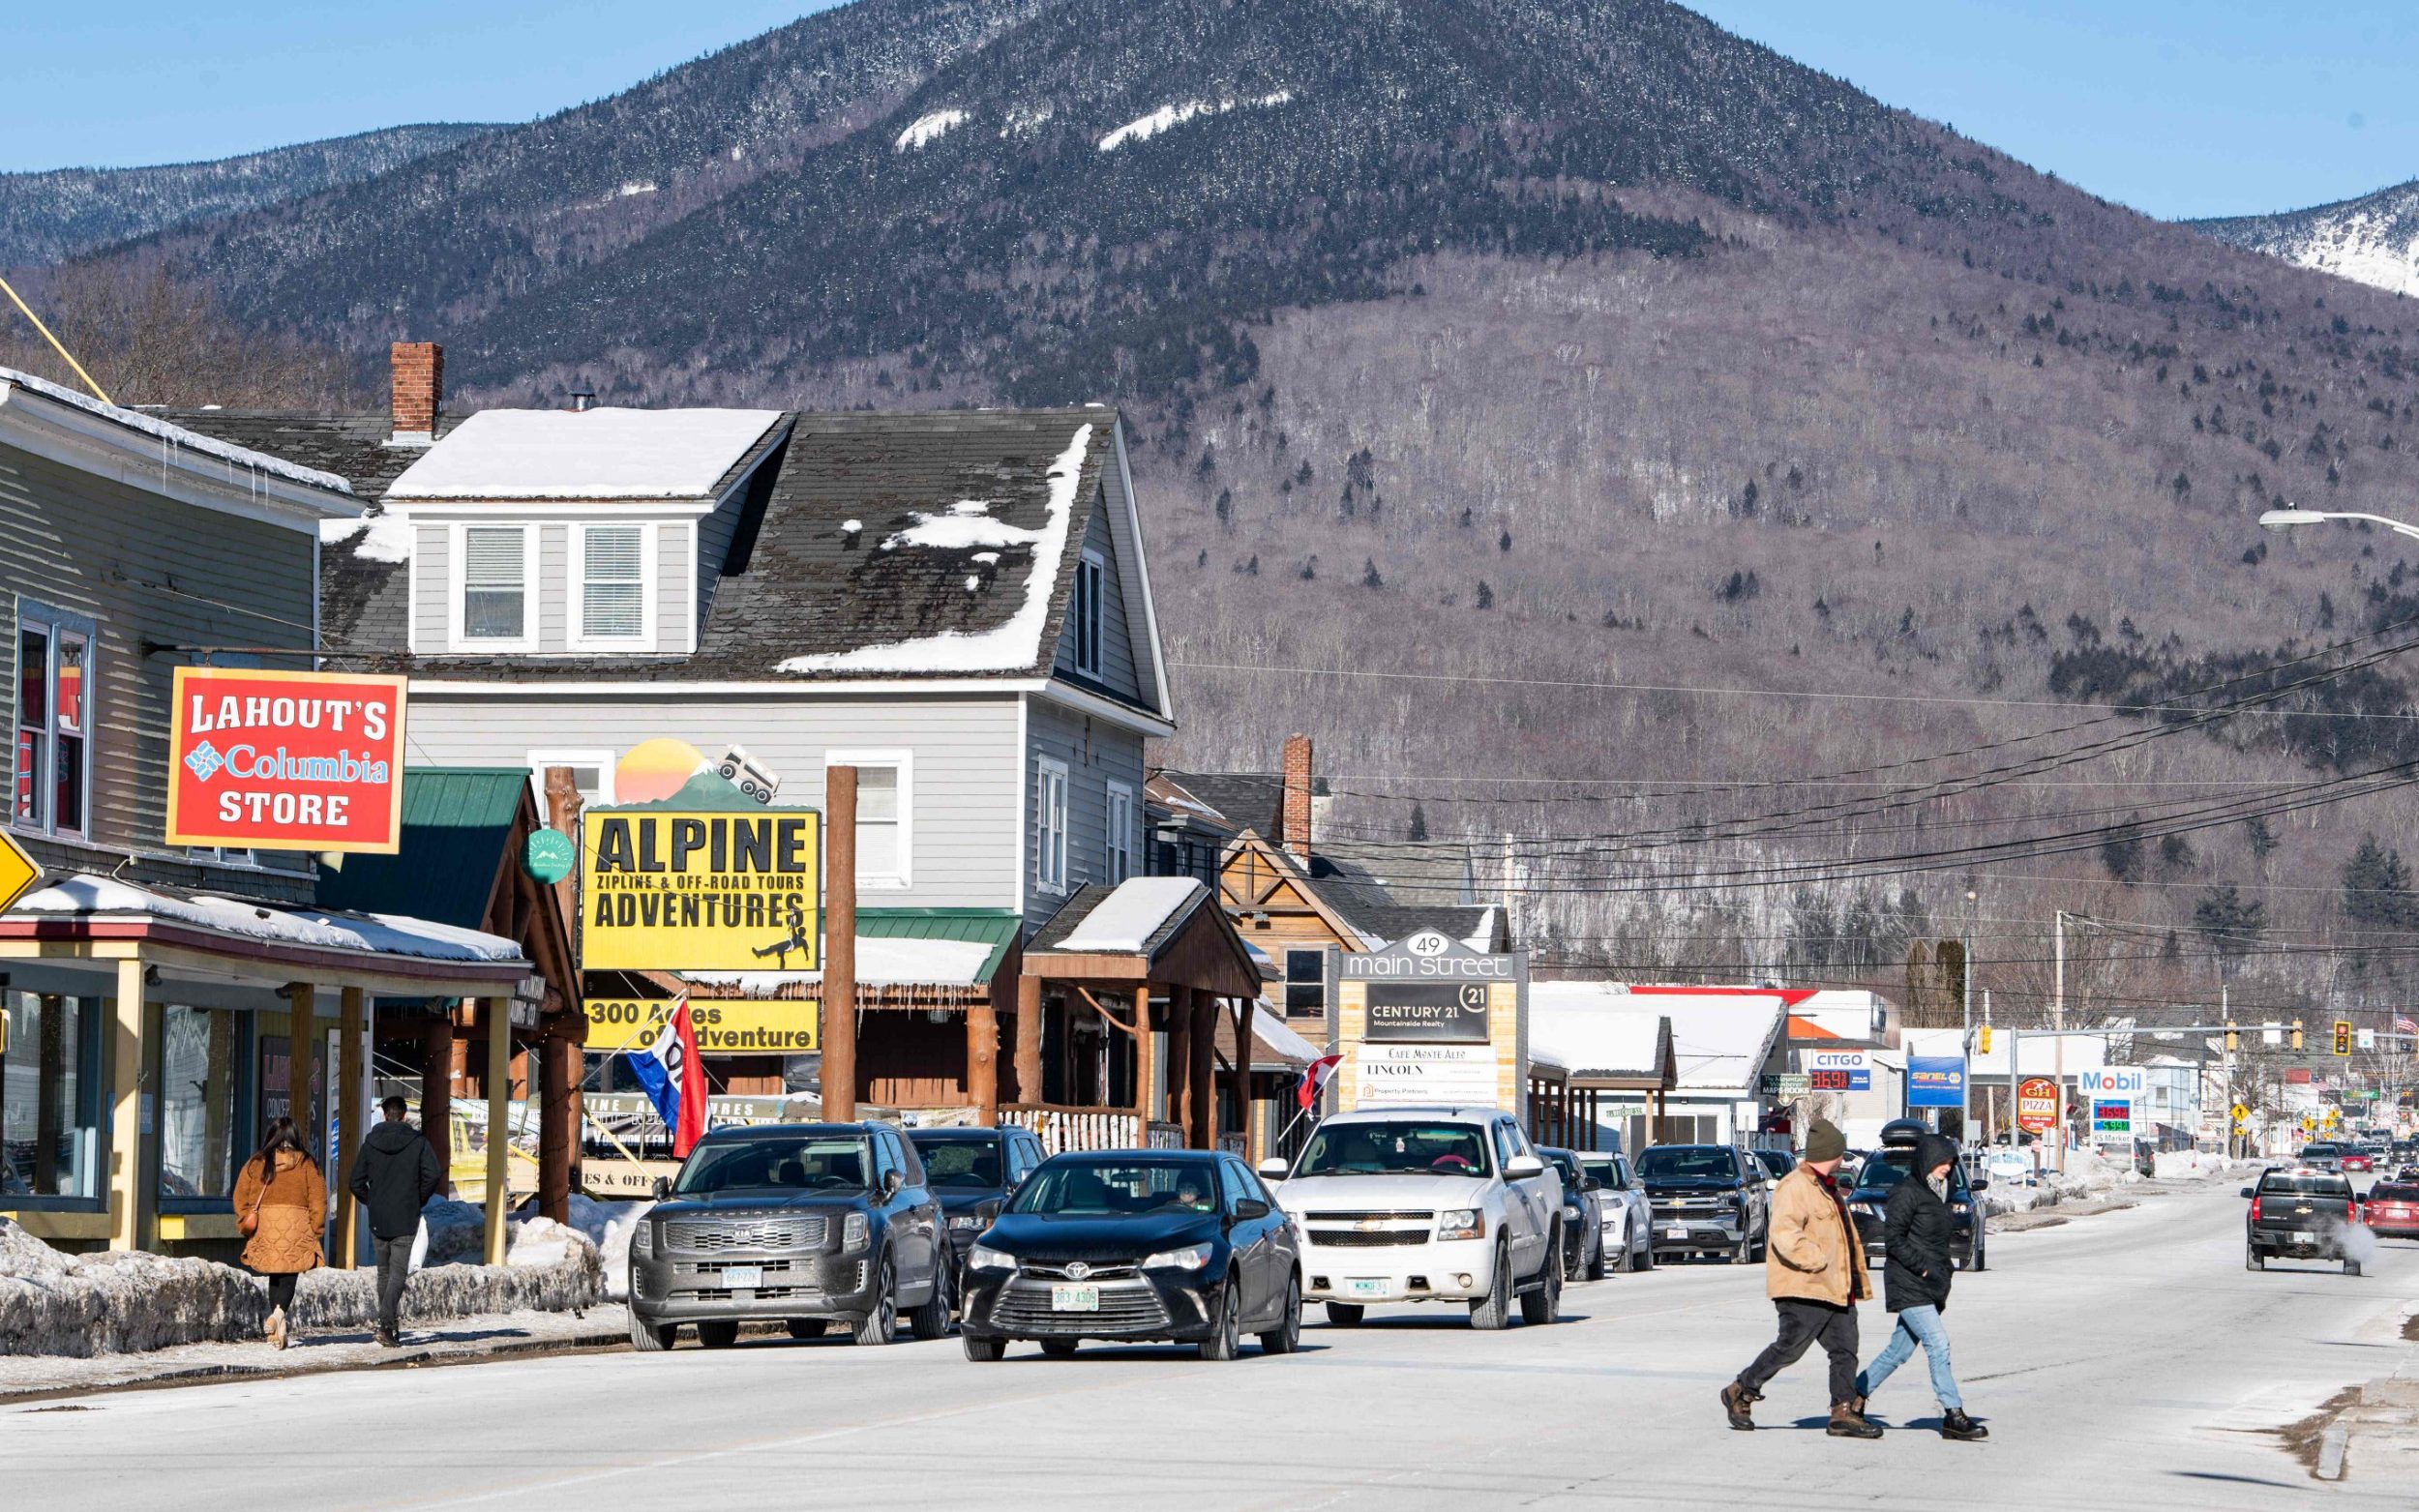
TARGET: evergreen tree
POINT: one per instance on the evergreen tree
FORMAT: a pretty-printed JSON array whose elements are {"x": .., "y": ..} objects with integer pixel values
[
  {"x": 1487, "y": 595},
  {"x": 1418, "y": 820},
  {"x": 2233, "y": 922},
  {"x": 2377, "y": 887}
]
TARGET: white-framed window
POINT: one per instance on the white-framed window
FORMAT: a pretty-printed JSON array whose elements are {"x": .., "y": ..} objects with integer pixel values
[
  {"x": 1050, "y": 824},
  {"x": 885, "y": 814},
  {"x": 1306, "y": 980},
  {"x": 612, "y": 599},
  {"x": 591, "y": 772},
  {"x": 1090, "y": 578},
  {"x": 1122, "y": 832},
  {"x": 54, "y": 718},
  {"x": 493, "y": 600}
]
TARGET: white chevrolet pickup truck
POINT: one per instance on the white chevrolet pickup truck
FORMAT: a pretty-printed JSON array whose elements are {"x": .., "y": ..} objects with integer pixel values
[{"x": 1426, "y": 1205}]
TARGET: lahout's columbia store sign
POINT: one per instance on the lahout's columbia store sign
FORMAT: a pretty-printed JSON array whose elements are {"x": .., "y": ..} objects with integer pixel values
[{"x": 263, "y": 760}]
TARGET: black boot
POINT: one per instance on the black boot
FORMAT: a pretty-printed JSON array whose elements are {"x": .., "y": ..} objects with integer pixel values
[
  {"x": 1957, "y": 1425},
  {"x": 1846, "y": 1422},
  {"x": 1737, "y": 1400}
]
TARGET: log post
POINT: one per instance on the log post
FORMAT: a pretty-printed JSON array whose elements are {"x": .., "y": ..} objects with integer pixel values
[
  {"x": 350, "y": 1124},
  {"x": 497, "y": 1018},
  {"x": 1201, "y": 1102},
  {"x": 302, "y": 1025},
  {"x": 558, "y": 1123},
  {"x": 436, "y": 1095},
  {"x": 1243, "y": 1041},
  {"x": 1146, "y": 1069},
  {"x": 1028, "y": 1012},
  {"x": 840, "y": 946},
  {"x": 982, "y": 1062}
]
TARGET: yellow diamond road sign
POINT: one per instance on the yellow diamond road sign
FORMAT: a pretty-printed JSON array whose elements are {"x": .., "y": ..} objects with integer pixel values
[
  {"x": 2241, "y": 1112},
  {"x": 17, "y": 870}
]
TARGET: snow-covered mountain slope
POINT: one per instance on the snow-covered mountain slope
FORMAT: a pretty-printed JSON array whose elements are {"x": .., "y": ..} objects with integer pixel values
[{"x": 2372, "y": 240}]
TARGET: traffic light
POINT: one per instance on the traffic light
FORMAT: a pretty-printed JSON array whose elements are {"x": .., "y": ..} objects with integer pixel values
[
  {"x": 2343, "y": 1036},
  {"x": 2296, "y": 1037},
  {"x": 1986, "y": 1039},
  {"x": 2233, "y": 1039}
]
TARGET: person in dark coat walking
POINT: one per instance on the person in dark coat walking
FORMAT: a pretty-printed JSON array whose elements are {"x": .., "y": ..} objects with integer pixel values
[
  {"x": 1814, "y": 1272},
  {"x": 396, "y": 1174},
  {"x": 1915, "y": 1233}
]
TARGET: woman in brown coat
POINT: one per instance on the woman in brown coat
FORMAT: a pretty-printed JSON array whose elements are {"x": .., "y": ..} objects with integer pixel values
[{"x": 282, "y": 1188}]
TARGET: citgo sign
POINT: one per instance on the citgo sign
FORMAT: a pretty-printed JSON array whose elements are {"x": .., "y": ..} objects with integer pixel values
[{"x": 262, "y": 760}]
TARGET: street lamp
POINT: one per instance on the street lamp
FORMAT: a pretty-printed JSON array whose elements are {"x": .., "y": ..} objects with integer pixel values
[{"x": 2288, "y": 518}]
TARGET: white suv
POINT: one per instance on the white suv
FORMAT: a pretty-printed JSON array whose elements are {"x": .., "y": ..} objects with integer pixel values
[{"x": 1426, "y": 1205}]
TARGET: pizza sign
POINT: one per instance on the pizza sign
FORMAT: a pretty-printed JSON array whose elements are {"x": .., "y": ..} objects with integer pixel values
[{"x": 263, "y": 760}]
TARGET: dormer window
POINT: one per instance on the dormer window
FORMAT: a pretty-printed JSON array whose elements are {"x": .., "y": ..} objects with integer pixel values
[
  {"x": 1089, "y": 579},
  {"x": 612, "y": 598},
  {"x": 494, "y": 569}
]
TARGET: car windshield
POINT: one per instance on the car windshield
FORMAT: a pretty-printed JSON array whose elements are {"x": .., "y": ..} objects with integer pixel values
[
  {"x": 1394, "y": 1146},
  {"x": 814, "y": 1163},
  {"x": 2320, "y": 1150},
  {"x": 2314, "y": 1186},
  {"x": 1567, "y": 1165},
  {"x": 960, "y": 1162},
  {"x": 1888, "y": 1170},
  {"x": 1117, "y": 1188},
  {"x": 1687, "y": 1163},
  {"x": 1604, "y": 1168},
  {"x": 1777, "y": 1161},
  {"x": 2393, "y": 1192}
]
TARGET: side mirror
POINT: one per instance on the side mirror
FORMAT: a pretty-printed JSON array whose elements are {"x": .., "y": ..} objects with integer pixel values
[
  {"x": 1275, "y": 1167},
  {"x": 1591, "y": 1184},
  {"x": 1772, "y": 1183},
  {"x": 663, "y": 1188},
  {"x": 1249, "y": 1208},
  {"x": 1520, "y": 1168},
  {"x": 2246, "y": 1191},
  {"x": 893, "y": 1181},
  {"x": 1979, "y": 1184}
]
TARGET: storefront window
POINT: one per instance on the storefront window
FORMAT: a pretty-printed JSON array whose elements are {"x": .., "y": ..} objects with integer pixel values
[
  {"x": 203, "y": 1133},
  {"x": 275, "y": 1101},
  {"x": 50, "y": 1097}
]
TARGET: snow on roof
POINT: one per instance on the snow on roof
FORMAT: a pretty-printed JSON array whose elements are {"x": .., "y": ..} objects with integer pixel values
[
  {"x": 1124, "y": 921},
  {"x": 177, "y": 436},
  {"x": 1591, "y": 1033},
  {"x": 595, "y": 454},
  {"x": 1718, "y": 1039},
  {"x": 1006, "y": 647},
  {"x": 1273, "y": 1031},
  {"x": 384, "y": 933},
  {"x": 881, "y": 962},
  {"x": 926, "y": 130},
  {"x": 382, "y": 538},
  {"x": 1144, "y": 128}
]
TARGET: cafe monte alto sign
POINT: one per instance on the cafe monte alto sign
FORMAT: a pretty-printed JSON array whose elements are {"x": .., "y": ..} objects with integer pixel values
[{"x": 266, "y": 760}]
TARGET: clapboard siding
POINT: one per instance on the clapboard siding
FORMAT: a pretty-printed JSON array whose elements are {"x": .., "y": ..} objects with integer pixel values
[
  {"x": 674, "y": 582},
  {"x": 965, "y": 753},
  {"x": 552, "y": 593},
  {"x": 432, "y": 571},
  {"x": 714, "y": 534},
  {"x": 1118, "y": 517},
  {"x": 558, "y": 574},
  {"x": 1096, "y": 753},
  {"x": 148, "y": 571},
  {"x": 1116, "y": 637}
]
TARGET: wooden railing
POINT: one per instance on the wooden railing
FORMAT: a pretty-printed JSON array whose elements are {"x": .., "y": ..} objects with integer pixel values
[{"x": 1063, "y": 1129}]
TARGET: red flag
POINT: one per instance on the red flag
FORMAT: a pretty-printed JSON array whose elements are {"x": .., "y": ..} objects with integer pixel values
[
  {"x": 692, "y": 1127},
  {"x": 1313, "y": 1077}
]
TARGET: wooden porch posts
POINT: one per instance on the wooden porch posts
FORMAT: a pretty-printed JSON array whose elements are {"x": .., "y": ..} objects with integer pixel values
[
  {"x": 495, "y": 1015},
  {"x": 436, "y": 1095},
  {"x": 1242, "y": 1074},
  {"x": 1201, "y": 1102},
  {"x": 982, "y": 1060},
  {"x": 1146, "y": 1068},
  {"x": 350, "y": 1125},
  {"x": 839, "y": 1038},
  {"x": 558, "y": 1123},
  {"x": 1029, "y": 1039}
]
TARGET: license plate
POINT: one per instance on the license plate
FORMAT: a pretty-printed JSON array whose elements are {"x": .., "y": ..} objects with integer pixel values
[
  {"x": 1369, "y": 1286},
  {"x": 2305, "y": 1236},
  {"x": 743, "y": 1278},
  {"x": 1075, "y": 1299},
  {"x": 1675, "y": 1230}
]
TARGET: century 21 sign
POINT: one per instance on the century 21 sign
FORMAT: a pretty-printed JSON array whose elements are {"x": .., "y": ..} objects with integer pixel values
[{"x": 669, "y": 890}]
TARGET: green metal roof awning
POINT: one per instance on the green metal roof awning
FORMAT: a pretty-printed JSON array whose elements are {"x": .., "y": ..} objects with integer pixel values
[
  {"x": 996, "y": 927},
  {"x": 458, "y": 822},
  {"x": 899, "y": 947}
]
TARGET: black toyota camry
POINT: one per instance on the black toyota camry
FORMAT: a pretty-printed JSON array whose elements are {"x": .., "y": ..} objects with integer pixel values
[{"x": 1136, "y": 1244}]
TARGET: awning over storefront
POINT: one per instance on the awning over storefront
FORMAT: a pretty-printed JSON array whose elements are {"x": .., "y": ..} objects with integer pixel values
[{"x": 954, "y": 952}]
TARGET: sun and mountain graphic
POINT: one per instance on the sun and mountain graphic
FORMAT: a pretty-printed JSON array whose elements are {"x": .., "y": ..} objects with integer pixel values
[{"x": 665, "y": 773}]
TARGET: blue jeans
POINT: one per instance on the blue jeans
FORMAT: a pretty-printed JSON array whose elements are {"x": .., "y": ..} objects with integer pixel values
[{"x": 1916, "y": 1325}]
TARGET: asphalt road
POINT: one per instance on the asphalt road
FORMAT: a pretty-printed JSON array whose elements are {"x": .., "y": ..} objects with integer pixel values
[{"x": 2126, "y": 1359}]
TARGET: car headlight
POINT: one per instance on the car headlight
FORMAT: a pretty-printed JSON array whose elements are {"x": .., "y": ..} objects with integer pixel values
[
  {"x": 983, "y": 1257},
  {"x": 965, "y": 1221},
  {"x": 1190, "y": 1258},
  {"x": 643, "y": 1240},
  {"x": 854, "y": 1232},
  {"x": 1461, "y": 1223}
]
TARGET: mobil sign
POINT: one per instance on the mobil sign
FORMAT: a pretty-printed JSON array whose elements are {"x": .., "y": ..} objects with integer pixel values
[
  {"x": 1836, "y": 1070},
  {"x": 2111, "y": 1092},
  {"x": 264, "y": 761}
]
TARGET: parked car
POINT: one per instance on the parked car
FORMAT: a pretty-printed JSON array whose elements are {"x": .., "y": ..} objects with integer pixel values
[
  {"x": 1969, "y": 1248},
  {"x": 2391, "y": 1211},
  {"x": 1184, "y": 1245},
  {"x": 809, "y": 1224},
  {"x": 2356, "y": 1161},
  {"x": 2005, "y": 1166},
  {"x": 1628, "y": 1218},
  {"x": 1427, "y": 1204},
  {"x": 1583, "y": 1216},
  {"x": 1708, "y": 1199},
  {"x": 2321, "y": 1155},
  {"x": 1775, "y": 1163},
  {"x": 2300, "y": 1213},
  {"x": 973, "y": 1172}
]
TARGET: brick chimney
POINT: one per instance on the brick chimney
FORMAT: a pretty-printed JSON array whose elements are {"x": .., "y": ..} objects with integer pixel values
[
  {"x": 419, "y": 390},
  {"x": 1294, "y": 820}
]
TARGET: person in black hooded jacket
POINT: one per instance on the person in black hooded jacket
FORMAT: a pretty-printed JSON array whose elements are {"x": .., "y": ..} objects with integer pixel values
[
  {"x": 395, "y": 1175},
  {"x": 1916, "y": 1231}
]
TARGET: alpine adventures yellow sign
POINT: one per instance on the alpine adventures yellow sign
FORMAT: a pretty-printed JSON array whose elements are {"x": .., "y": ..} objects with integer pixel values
[{"x": 675, "y": 890}]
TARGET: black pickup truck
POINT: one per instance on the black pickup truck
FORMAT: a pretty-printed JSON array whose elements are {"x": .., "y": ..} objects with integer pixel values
[{"x": 2300, "y": 1214}]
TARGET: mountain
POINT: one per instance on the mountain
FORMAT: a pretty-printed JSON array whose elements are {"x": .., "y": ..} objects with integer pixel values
[
  {"x": 1728, "y": 457},
  {"x": 49, "y": 215},
  {"x": 2372, "y": 239}
]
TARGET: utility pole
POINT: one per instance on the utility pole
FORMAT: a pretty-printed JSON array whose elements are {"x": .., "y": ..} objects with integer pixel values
[
  {"x": 2057, "y": 1020},
  {"x": 1966, "y": 1083},
  {"x": 839, "y": 1037}
]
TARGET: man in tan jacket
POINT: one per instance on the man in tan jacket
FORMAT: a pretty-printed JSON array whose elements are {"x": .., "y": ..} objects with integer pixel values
[{"x": 1814, "y": 1272}]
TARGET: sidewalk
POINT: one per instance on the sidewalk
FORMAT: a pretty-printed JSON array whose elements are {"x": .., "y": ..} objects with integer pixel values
[{"x": 27, "y": 1377}]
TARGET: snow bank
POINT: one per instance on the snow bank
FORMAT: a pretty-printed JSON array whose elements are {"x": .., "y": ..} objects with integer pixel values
[
  {"x": 117, "y": 1303},
  {"x": 1006, "y": 647},
  {"x": 609, "y": 1226},
  {"x": 1144, "y": 128},
  {"x": 925, "y": 130}
]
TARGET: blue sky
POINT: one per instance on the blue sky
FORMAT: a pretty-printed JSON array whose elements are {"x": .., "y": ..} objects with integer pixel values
[{"x": 2175, "y": 106}]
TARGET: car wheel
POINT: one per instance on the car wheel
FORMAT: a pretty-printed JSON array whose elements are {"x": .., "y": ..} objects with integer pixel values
[
  {"x": 1597, "y": 1269},
  {"x": 807, "y": 1328},
  {"x": 1544, "y": 1305},
  {"x": 1057, "y": 1349},
  {"x": 1626, "y": 1261},
  {"x": 718, "y": 1334},
  {"x": 932, "y": 1319},
  {"x": 1228, "y": 1340},
  {"x": 1646, "y": 1253},
  {"x": 983, "y": 1350},
  {"x": 1346, "y": 1315},
  {"x": 2351, "y": 1267},
  {"x": 651, "y": 1337},
  {"x": 882, "y": 1325},
  {"x": 1493, "y": 1310},
  {"x": 1744, "y": 1253},
  {"x": 1981, "y": 1250},
  {"x": 1286, "y": 1337},
  {"x": 2253, "y": 1260}
]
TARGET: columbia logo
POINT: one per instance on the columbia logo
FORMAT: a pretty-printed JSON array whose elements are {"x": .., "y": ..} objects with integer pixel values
[{"x": 204, "y": 760}]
